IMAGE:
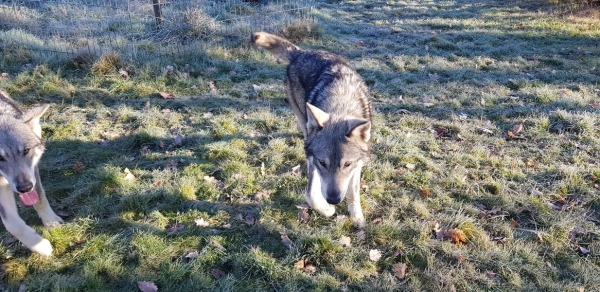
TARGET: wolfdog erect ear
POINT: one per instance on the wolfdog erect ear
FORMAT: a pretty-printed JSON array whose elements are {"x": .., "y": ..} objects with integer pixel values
[
  {"x": 359, "y": 128},
  {"x": 32, "y": 118},
  {"x": 316, "y": 118}
]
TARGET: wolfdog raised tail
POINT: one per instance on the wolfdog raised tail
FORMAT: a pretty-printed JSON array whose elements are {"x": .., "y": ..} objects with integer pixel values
[
  {"x": 21, "y": 148},
  {"x": 333, "y": 110}
]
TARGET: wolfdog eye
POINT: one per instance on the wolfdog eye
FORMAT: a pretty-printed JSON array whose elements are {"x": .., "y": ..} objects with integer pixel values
[
  {"x": 348, "y": 163},
  {"x": 25, "y": 151},
  {"x": 322, "y": 163}
]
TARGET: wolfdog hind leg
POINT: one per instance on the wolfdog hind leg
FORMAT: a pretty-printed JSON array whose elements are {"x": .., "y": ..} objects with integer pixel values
[
  {"x": 314, "y": 197},
  {"x": 353, "y": 195},
  {"x": 17, "y": 227},
  {"x": 49, "y": 218}
]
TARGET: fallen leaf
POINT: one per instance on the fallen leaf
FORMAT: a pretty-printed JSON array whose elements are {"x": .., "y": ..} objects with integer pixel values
[
  {"x": 445, "y": 147},
  {"x": 458, "y": 257},
  {"x": 360, "y": 235},
  {"x": 217, "y": 246},
  {"x": 411, "y": 166},
  {"x": 166, "y": 95},
  {"x": 296, "y": 170},
  {"x": 178, "y": 140},
  {"x": 303, "y": 216},
  {"x": 174, "y": 228},
  {"x": 309, "y": 267},
  {"x": 79, "y": 166},
  {"x": 286, "y": 240},
  {"x": 517, "y": 128},
  {"x": 157, "y": 183},
  {"x": 262, "y": 195},
  {"x": 492, "y": 276},
  {"x": 192, "y": 255},
  {"x": 514, "y": 223},
  {"x": 374, "y": 255},
  {"x": 584, "y": 250},
  {"x": 213, "y": 88},
  {"x": 201, "y": 223},
  {"x": 4, "y": 75},
  {"x": 345, "y": 241},
  {"x": 226, "y": 226},
  {"x": 170, "y": 69},
  {"x": 128, "y": 175},
  {"x": 399, "y": 270},
  {"x": 377, "y": 220},
  {"x": 426, "y": 193},
  {"x": 123, "y": 73},
  {"x": 171, "y": 164},
  {"x": 146, "y": 286},
  {"x": 249, "y": 219},
  {"x": 486, "y": 131},
  {"x": 217, "y": 183},
  {"x": 299, "y": 264},
  {"x": 218, "y": 273}
]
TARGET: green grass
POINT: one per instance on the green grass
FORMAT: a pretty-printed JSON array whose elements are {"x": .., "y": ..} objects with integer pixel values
[{"x": 449, "y": 80}]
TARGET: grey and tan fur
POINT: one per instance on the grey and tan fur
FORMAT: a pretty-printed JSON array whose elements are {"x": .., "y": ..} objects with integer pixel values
[
  {"x": 333, "y": 110},
  {"x": 21, "y": 148}
]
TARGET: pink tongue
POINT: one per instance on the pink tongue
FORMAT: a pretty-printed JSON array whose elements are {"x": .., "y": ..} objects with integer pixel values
[{"x": 29, "y": 198}]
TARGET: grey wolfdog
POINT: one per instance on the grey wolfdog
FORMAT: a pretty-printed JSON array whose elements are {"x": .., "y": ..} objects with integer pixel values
[
  {"x": 21, "y": 148},
  {"x": 333, "y": 110}
]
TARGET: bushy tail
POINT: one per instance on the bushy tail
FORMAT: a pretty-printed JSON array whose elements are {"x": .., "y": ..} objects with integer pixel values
[{"x": 281, "y": 48}]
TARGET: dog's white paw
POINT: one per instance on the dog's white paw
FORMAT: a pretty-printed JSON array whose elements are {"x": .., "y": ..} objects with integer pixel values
[
  {"x": 359, "y": 222},
  {"x": 328, "y": 211},
  {"x": 50, "y": 219},
  {"x": 44, "y": 247}
]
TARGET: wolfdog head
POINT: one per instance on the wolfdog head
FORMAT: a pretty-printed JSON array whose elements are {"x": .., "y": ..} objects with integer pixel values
[
  {"x": 21, "y": 148},
  {"x": 336, "y": 147}
]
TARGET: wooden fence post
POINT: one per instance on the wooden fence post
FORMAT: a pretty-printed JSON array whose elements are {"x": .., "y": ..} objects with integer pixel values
[{"x": 157, "y": 13}]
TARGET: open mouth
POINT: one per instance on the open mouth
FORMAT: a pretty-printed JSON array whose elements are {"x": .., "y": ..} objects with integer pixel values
[{"x": 29, "y": 198}]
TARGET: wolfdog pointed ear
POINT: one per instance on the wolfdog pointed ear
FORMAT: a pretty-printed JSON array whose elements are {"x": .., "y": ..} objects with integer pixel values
[
  {"x": 316, "y": 118},
  {"x": 359, "y": 128},
  {"x": 32, "y": 118}
]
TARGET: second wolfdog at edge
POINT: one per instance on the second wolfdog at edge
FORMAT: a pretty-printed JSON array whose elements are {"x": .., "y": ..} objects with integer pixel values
[{"x": 333, "y": 110}]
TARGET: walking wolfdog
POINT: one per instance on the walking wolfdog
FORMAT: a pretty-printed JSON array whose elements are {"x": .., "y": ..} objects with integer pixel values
[
  {"x": 21, "y": 148},
  {"x": 333, "y": 110}
]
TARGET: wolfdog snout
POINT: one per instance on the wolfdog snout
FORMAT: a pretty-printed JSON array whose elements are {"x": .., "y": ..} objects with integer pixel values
[
  {"x": 333, "y": 197},
  {"x": 24, "y": 184}
]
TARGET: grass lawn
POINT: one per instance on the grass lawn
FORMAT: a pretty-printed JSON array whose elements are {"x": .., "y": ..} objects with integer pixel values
[{"x": 487, "y": 136}]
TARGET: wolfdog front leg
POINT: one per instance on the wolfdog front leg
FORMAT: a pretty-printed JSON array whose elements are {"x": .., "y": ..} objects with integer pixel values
[{"x": 17, "y": 227}]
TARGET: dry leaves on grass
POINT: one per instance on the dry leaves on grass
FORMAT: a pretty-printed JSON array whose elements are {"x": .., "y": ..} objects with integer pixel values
[
  {"x": 345, "y": 241},
  {"x": 166, "y": 95},
  {"x": 174, "y": 228},
  {"x": 374, "y": 255},
  {"x": 516, "y": 131},
  {"x": 305, "y": 265},
  {"x": 286, "y": 240},
  {"x": 454, "y": 235},
  {"x": 201, "y": 223},
  {"x": 399, "y": 270},
  {"x": 213, "y": 87},
  {"x": 303, "y": 216},
  {"x": 78, "y": 166},
  {"x": 146, "y": 286},
  {"x": 128, "y": 175}
]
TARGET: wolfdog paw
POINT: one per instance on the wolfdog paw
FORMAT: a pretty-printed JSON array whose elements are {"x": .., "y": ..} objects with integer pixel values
[
  {"x": 44, "y": 247},
  {"x": 51, "y": 220},
  {"x": 359, "y": 222},
  {"x": 329, "y": 211}
]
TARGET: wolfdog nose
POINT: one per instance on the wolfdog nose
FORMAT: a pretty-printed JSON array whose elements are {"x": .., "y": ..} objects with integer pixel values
[
  {"x": 25, "y": 187},
  {"x": 334, "y": 200}
]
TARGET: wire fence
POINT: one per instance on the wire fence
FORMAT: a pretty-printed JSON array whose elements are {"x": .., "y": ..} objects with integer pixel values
[{"x": 139, "y": 28}]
